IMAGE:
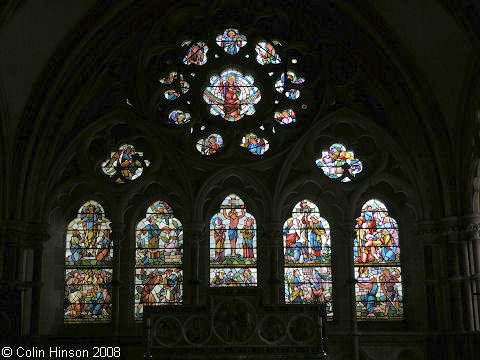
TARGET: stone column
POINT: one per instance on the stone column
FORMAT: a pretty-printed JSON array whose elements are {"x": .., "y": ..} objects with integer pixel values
[{"x": 23, "y": 243}]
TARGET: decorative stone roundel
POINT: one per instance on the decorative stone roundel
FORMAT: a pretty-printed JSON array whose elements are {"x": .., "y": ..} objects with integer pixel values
[
  {"x": 272, "y": 329},
  {"x": 167, "y": 331},
  {"x": 196, "y": 329},
  {"x": 234, "y": 321}
]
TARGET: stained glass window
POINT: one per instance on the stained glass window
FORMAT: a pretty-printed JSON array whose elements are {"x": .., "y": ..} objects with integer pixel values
[
  {"x": 255, "y": 144},
  {"x": 231, "y": 41},
  {"x": 179, "y": 85},
  {"x": 376, "y": 255},
  {"x": 88, "y": 262},
  {"x": 125, "y": 164},
  {"x": 285, "y": 117},
  {"x": 196, "y": 54},
  {"x": 266, "y": 53},
  {"x": 158, "y": 259},
  {"x": 178, "y": 117},
  {"x": 339, "y": 164},
  {"x": 233, "y": 245},
  {"x": 294, "y": 80},
  {"x": 307, "y": 252},
  {"x": 232, "y": 95},
  {"x": 210, "y": 145}
]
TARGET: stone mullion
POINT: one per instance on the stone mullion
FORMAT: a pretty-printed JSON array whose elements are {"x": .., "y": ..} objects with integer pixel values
[
  {"x": 344, "y": 304},
  {"x": 271, "y": 261},
  {"x": 196, "y": 239},
  {"x": 120, "y": 268}
]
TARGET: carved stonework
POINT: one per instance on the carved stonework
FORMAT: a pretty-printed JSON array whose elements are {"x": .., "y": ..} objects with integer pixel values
[
  {"x": 272, "y": 329},
  {"x": 196, "y": 329},
  {"x": 234, "y": 322},
  {"x": 301, "y": 329},
  {"x": 166, "y": 331}
]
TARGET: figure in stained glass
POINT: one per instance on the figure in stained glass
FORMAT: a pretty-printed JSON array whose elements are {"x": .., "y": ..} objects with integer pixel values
[
  {"x": 339, "y": 164},
  {"x": 234, "y": 219},
  {"x": 179, "y": 117},
  {"x": 307, "y": 251},
  {"x": 231, "y": 41},
  {"x": 219, "y": 231},
  {"x": 306, "y": 236},
  {"x": 293, "y": 79},
  {"x": 157, "y": 286},
  {"x": 266, "y": 53},
  {"x": 256, "y": 145},
  {"x": 376, "y": 238},
  {"x": 389, "y": 282},
  {"x": 285, "y": 117},
  {"x": 173, "y": 78},
  {"x": 159, "y": 237},
  {"x": 232, "y": 95},
  {"x": 379, "y": 293},
  {"x": 226, "y": 277},
  {"x": 159, "y": 251},
  {"x": 88, "y": 238},
  {"x": 377, "y": 264},
  {"x": 232, "y": 262},
  {"x": 248, "y": 232},
  {"x": 309, "y": 285},
  {"x": 88, "y": 260},
  {"x": 87, "y": 295},
  {"x": 317, "y": 232},
  {"x": 196, "y": 54},
  {"x": 125, "y": 165},
  {"x": 210, "y": 145}
]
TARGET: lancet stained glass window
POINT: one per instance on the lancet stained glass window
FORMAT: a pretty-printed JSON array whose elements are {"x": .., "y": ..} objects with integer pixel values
[
  {"x": 307, "y": 252},
  {"x": 376, "y": 253},
  {"x": 88, "y": 262},
  {"x": 233, "y": 245},
  {"x": 339, "y": 164},
  {"x": 158, "y": 259}
]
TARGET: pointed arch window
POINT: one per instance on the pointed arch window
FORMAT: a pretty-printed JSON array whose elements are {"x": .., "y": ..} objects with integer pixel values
[
  {"x": 376, "y": 253},
  {"x": 307, "y": 254},
  {"x": 233, "y": 245},
  {"x": 158, "y": 259},
  {"x": 88, "y": 266}
]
